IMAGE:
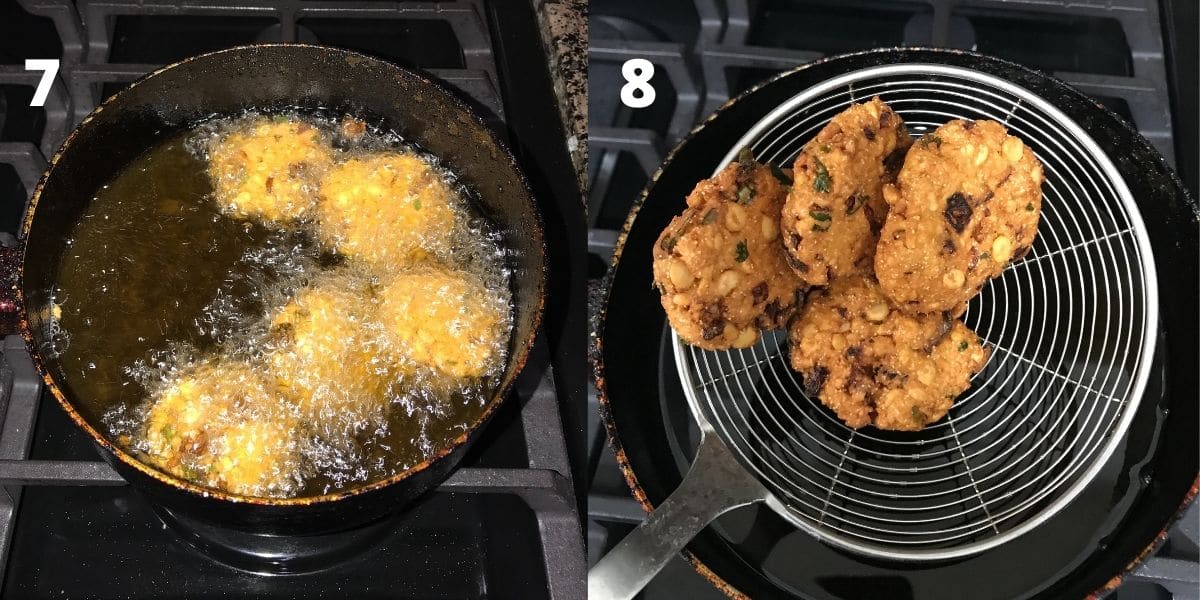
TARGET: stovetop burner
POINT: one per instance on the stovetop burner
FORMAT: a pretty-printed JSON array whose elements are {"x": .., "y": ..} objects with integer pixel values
[{"x": 267, "y": 554}]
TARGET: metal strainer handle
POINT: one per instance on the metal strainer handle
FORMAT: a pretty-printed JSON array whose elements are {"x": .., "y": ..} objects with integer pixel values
[{"x": 715, "y": 484}]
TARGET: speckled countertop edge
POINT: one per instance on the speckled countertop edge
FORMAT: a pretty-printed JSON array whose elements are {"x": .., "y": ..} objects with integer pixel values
[{"x": 563, "y": 24}]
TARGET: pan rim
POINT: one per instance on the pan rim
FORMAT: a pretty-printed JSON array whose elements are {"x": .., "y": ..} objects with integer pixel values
[
  {"x": 597, "y": 350},
  {"x": 516, "y": 362}
]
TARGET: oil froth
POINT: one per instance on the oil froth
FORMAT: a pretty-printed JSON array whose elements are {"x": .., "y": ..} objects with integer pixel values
[{"x": 300, "y": 364}]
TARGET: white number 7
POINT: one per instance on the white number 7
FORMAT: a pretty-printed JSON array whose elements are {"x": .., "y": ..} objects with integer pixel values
[{"x": 50, "y": 68}]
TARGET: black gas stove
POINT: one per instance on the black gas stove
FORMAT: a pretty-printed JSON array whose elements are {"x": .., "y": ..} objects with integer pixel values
[
  {"x": 505, "y": 525},
  {"x": 1120, "y": 52}
]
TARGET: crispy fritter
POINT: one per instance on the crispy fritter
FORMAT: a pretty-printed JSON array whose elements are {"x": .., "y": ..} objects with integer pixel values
[
  {"x": 328, "y": 355},
  {"x": 720, "y": 267},
  {"x": 875, "y": 365},
  {"x": 833, "y": 213},
  {"x": 448, "y": 320},
  {"x": 259, "y": 456},
  {"x": 388, "y": 209},
  {"x": 268, "y": 169},
  {"x": 223, "y": 425},
  {"x": 966, "y": 203}
]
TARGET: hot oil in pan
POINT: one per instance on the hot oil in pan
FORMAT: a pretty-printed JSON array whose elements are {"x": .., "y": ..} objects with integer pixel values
[
  {"x": 163, "y": 295},
  {"x": 145, "y": 259},
  {"x": 1075, "y": 535}
]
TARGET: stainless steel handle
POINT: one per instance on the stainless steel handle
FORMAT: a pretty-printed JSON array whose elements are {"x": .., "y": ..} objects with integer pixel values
[{"x": 714, "y": 485}]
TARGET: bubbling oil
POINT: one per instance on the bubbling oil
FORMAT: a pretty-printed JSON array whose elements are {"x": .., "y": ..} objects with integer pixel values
[{"x": 234, "y": 336}]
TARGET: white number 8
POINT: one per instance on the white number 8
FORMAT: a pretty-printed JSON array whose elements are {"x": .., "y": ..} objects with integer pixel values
[{"x": 637, "y": 71}]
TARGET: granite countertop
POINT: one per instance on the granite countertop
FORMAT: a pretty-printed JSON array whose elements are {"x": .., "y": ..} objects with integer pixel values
[{"x": 565, "y": 35}]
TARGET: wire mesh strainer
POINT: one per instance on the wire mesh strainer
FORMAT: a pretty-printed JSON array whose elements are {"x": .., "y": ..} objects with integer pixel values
[{"x": 1071, "y": 332}]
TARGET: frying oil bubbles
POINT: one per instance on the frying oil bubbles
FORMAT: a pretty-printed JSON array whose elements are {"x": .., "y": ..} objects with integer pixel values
[{"x": 322, "y": 362}]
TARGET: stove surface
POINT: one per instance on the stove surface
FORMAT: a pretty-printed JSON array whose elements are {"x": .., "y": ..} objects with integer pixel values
[
  {"x": 504, "y": 525},
  {"x": 707, "y": 51}
]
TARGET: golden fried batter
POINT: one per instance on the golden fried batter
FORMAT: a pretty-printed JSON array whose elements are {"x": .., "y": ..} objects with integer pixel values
[
  {"x": 259, "y": 456},
  {"x": 448, "y": 320},
  {"x": 268, "y": 169},
  {"x": 328, "y": 355},
  {"x": 720, "y": 267},
  {"x": 966, "y": 203},
  {"x": 221, "y": 424},
  {"x": 834, "y": 211},
  {"x": 875, "y": 365},
  {"x": 388, "y": 209}
]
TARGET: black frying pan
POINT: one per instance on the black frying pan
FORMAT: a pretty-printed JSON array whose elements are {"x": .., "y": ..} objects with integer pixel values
[
  {"x": 754, "y": 553},
  {"x": 276, "y": 77}
]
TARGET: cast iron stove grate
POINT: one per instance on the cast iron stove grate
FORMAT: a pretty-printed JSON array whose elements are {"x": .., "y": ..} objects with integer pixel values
[
  {"x": 707, "y": 51},
  {"x": 504, "y": 525}
]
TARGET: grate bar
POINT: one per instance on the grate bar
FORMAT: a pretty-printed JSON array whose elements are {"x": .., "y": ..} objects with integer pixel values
[
  {"x": 483, "y": 480},
  {"x": 57, "y": 473},
  {"x": 16, "y": 433}
]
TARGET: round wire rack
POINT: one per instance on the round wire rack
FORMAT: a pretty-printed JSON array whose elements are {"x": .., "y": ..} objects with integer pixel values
[{"x": 1071, "y": 329}]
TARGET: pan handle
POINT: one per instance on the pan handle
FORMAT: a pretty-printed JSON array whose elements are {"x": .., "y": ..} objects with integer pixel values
[
  {"x": 10, "y": 268},
  {"x": 715, "y": 484}
]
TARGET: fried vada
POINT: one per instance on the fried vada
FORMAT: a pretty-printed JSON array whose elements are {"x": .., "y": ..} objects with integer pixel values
[
  {"x": 222, "y": 424},
  {"x": 268, "y": 169},
  {"x": 447, "y": 320},
  {"x": 389, "y": 209},
  {"x": 875, "y": 365},
  {"x": 719, "y": 266},
  {"x": 326, "y": 353},
  {"x": 966, "y": 204},
  {"x": 833, "y": 213}
]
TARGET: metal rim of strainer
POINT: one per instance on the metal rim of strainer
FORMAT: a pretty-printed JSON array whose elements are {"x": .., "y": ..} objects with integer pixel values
[{"x": 980, "y": 531}]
